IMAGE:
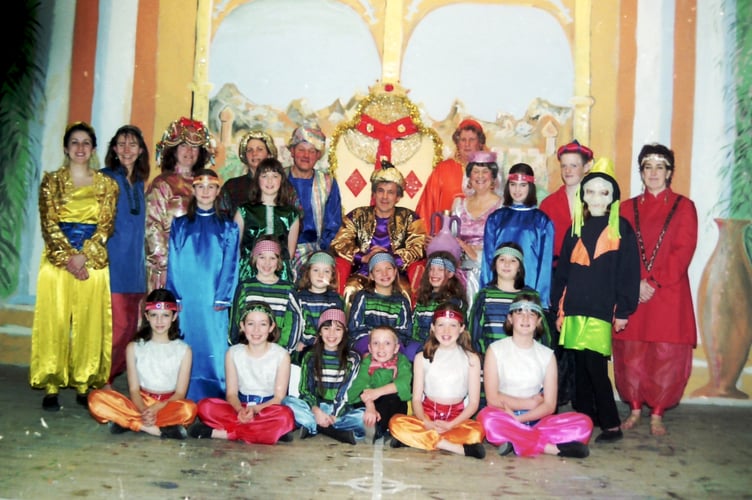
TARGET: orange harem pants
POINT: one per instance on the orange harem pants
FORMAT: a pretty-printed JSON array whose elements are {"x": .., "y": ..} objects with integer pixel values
[
  {"x": 267, "y": 427},
  {"x": 411, "y": 431},
  {"x": 110, "y": 406}
]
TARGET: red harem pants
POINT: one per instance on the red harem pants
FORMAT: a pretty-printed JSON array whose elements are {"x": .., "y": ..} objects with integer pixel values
[
  {"x": 527, "y": 440},
  {"x": 106, "y": 405},
  {"x": 267, "y": 427},
  {"x": 652, "y": 373}
]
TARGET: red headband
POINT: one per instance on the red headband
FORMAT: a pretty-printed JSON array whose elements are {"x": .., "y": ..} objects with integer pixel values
[
  {"x": 469, "y": 123},
  {"x": 161, "y": 306},
  {"x": 521, "y": 177},
  {"x": 449, "y": 314}
]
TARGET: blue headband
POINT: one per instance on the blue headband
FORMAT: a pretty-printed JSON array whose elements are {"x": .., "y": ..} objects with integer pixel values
[
  {"x": 525, "y": 305},
  {"x": 380, "y": 257},
  {"x": 509, "y": 251},
  {"x": 441, "y": 262}
]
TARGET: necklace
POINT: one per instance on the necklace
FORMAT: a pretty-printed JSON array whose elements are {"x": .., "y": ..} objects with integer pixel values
[{"x": 649, "y": 263}]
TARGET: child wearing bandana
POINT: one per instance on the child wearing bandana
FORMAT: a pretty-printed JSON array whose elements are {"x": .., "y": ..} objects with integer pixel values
[
  {"x": 521, "y": 390},
  {"x": 257, "y": 371},
  {"x": 383, "y": 382},
  {"x": 158, "y": 367},
  {"x": 446, "y": 391}
]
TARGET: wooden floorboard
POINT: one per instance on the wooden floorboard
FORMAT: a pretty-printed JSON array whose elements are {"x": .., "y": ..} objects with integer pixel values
[{"x": 708, "y": 454}]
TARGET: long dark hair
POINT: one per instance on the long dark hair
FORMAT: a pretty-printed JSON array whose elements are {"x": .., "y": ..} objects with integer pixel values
[
  {"x": 519, "y": 278},
  {"x": 285, "y": 196},
  {"x": 141, "y": 167},
  {"x": 159, "y": 295},
  {"x": 190, "y": 212},
  {"x": 170, "y": 159},
  {"x": 452, "y": 289},
  {"x": 532, "y": 198},
  {"x": 343, "y": 352},
  {"x": 464, "y": 340}
]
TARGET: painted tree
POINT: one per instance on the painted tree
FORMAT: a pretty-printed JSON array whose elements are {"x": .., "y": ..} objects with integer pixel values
[{"x": 21, "y": 81}]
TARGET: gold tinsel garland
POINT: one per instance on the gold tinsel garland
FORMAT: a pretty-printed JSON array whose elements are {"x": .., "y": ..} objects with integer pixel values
[{"x": 383, "y": 107}]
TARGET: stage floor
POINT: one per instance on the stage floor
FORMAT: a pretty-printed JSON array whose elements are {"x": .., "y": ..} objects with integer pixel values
[{"x": 707, "y": 454}]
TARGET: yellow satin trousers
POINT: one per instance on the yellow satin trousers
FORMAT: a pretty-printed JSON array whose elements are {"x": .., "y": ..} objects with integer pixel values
[{"x": 71, "y": 340}]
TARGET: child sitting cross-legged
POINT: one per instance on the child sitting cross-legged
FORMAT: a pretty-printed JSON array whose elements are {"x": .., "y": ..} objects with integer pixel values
[
  {"x": 383, "y": 381},
  {"x": 257, "y": 372},
  {"x": 521, "y": 388},
  {"x": 159, "y": 367}
]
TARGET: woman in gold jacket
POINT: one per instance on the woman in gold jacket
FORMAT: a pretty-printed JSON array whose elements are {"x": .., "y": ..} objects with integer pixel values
[{"x": 71, "y": 340}]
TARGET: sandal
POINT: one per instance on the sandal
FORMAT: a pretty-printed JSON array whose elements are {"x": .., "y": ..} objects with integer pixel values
[
  {"x": 656, "y": 426},
  {"x": 632, "y": 420}
]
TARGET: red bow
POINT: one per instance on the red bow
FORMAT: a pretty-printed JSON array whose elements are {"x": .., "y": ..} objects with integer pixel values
[
  {"x": 387, "y": 365},
  {"x": 188, "y": 123},
  {"x": 385, "y": 133}
]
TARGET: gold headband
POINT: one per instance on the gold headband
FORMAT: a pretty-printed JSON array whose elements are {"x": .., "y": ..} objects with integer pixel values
[
  {"x": 205, "y": 179},
  {"x": 655, "y": 157}
]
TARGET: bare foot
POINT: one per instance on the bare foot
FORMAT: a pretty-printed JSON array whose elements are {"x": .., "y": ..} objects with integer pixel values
[
  {"x": 656, "y": 426},
  {"x": 632, "y": 420},
  {"x": 711, "y": 390}
]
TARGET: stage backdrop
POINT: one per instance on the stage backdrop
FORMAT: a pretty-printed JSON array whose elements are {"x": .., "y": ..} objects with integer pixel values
[{"x": 614, "y": 74}]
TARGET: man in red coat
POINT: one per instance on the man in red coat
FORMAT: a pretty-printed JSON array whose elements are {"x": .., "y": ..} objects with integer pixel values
[{"x": 445, "y": 182}]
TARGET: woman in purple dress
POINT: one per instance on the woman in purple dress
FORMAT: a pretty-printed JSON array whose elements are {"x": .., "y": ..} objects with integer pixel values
[{"x": 482, "y": 176}]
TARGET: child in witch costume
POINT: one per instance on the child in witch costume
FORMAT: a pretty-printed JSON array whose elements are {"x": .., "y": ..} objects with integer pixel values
[{"x": 597, "y": 287}]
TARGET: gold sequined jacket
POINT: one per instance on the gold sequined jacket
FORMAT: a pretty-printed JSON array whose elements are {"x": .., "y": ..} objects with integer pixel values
[
  {"x": 407, "y": 233},
  {"x": 54, "y": 193}
]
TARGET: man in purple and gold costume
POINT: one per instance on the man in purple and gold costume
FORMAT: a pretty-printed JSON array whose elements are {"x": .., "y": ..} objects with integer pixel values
[{"x": 383, "y": 227}]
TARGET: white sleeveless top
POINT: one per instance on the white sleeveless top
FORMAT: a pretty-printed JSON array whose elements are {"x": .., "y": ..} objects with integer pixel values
[
  {"x": 446, "y": 377},
  {"x": 158, "y": 364},
  {"x": 256, "y": 375},
  {"x": 521, "y": 371}
]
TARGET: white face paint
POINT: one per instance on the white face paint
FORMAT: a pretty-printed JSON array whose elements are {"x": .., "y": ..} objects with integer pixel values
[{"x": 598, "y": 193}]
